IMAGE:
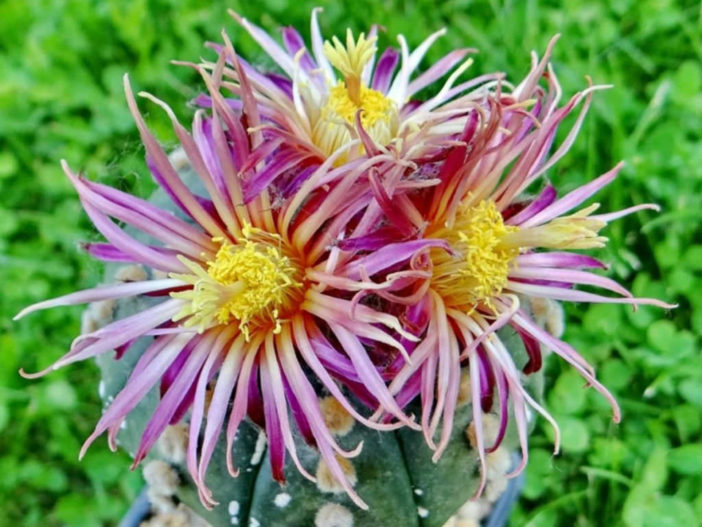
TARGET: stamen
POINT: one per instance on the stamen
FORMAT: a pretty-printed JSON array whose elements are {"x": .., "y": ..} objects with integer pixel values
[
  {"x": 335, "y": 123},
  {"x": 577, "y": 231},
  {"x": 251, "y": 282},
  {"x": 487, "y": 248},
  {"x": 481, "y": 271}
]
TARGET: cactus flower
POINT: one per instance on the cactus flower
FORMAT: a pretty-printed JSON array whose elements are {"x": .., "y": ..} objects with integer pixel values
[
  {"x": 503, "y": 250},
  {"x": 340, "y": 94},
  {"x": 244, "y": 302}
]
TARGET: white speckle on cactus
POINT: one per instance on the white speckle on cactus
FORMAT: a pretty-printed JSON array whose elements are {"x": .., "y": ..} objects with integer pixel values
[
  {"x": 233, "y": 509},
  {"x": 555, "y": 322},
  {"x": 549, "y": 315},
  {"x": 103, "y": 310},
  {"x": 173, "y": 443},
  {"x": 491, "y": 427},
  {"x": 281, "y": 500},
  {"x": 467, "y": 523},
  {"x": 101, "y": 389},
  {"x": 161, "y": 477},
  {"x": 474, "y": 510},
  {"x": 498, "y": 462},
  {"x": 131, "y": 273},
  {"x": 333, "y": 515},
  {"x": 88, "y": 324},
  {"x": 326, "y": 482},
  {"x": 464, "y": 388},
  {"x": 495, "y": 487},
  {"x": 423, "y": 513},
  {"x": 338, "y": 420},
  {"x": 123, "y": 425},
  {"x": 418, "y": 492},
  {"x": 161, "y": 505},
  {"x": 253, "y": 522},
  {"x": 259, "y": 448}
]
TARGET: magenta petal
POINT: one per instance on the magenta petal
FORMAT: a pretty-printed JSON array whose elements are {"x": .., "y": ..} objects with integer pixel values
[
  {"x": 298, "y": 413},
  {"x": 572, "y": 199},
  {"x": 385, "y": 201},
  {"x": 173, "y": 371},
  {"x": 391, "y": 255},
  {"x": 503, "y": 394},
  {"x": 109, "y": 253},
  {"x": 170, "y": 178},
  {"x": 164, "y": 219},
  {"x": 121, "y": 290},
  {"x": 213, "y": 362},
  {"x": 547, "y": 196},
  {"x": 384, "y": 70},
  {"x": 227, "y": 379},
  {"x": 487, "y": 381},
  {"x": 371, "y": 242},
  {"x": 270, "y": 173},
  {"x": 140, "y": 252},
  {"x": 145, "y": 375},
  {"x": 170, "y": 402},
  {"x": 366, "y": 371},
  {"x": 533, "y": 350},
  {"x": 113, "y": 335},
  {"x": 294, "y": 43},
  {"x": 332, "y": 359},
  {"x": 294, "y": 183},
  {"x": 410, "y": 389},
  {"x": 255, "y": 402},
  {"x": 437, "y": 70},
  {"x": 558, "y": 259},
  {"x": 239, "y": 405},
  {"x": 204, "y": 140},
  {"x": 185, "y": 404}
]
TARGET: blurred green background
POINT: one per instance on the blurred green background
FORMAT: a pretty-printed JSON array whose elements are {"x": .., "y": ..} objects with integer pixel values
[{"x": 60, "y": 97}]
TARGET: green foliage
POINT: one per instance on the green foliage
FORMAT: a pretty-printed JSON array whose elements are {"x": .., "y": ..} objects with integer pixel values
[{"x": 60, "y": 97}]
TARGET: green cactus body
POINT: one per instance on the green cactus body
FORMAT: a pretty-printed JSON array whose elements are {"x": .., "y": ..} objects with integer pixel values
[{"x": 394, "y": 472}]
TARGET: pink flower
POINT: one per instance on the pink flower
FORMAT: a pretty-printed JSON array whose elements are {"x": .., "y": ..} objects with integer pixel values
[
  {"x": 342, "y": 95},
  {"x": 484, "y": 251},
  {"x": 242, "y": 307}
]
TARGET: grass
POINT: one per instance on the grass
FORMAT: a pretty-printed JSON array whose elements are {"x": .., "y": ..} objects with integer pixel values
[{"x": 60, "y": 97}]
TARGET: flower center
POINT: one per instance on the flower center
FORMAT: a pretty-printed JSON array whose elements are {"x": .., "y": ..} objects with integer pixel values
[
  {"x": 379, "y": 114},
  {"x": 253, "y": 282},
  {"x": 374, "y": 105},
  {"x": 479, "y": 270}
]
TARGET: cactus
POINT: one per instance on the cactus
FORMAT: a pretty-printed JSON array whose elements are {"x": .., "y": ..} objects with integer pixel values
[
  {"x": 454, "y": 261},
  {"x": 394, "y": 472}
]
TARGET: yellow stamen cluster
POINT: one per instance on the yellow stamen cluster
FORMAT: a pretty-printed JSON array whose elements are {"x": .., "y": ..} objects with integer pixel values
[
  {"x": 252, "y": 282},
  {"x": 479, "y": 270},
  {"x": 334, "y": 123},
  {"x": 485, "y": 249},
  {"x": 374, "y": 105}
]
